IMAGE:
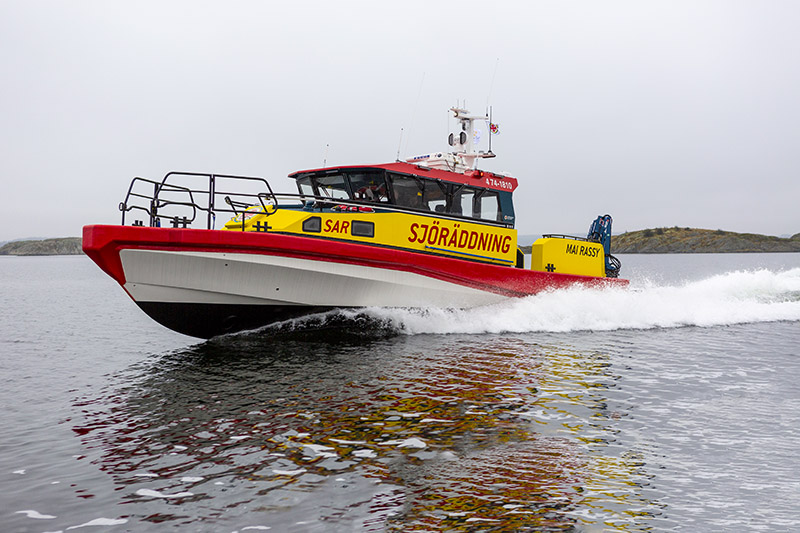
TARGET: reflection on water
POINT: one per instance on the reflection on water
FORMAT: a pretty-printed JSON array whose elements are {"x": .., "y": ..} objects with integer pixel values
[{"x": 295, "y": 432}]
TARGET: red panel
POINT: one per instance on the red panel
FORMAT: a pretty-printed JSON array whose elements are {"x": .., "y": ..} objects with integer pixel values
[{"x": 101, "y": 244}]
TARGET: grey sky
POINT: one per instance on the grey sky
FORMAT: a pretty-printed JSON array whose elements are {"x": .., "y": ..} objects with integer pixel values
[{"x": 661, "y": 113}]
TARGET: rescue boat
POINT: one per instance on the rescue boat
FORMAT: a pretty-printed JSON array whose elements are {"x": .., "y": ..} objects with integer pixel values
[{"x": 430, "y": 231}]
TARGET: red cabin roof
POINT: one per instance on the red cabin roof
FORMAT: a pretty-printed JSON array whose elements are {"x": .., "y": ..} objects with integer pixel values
[{"x": 475, "y": 178}]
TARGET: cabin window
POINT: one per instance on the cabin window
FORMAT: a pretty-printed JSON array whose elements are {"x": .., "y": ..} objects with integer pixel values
[
  {"x": 462, "y": 202},
  {"x": 434, "y": 196},
  {"x": 305, "y": 187},
  {"x": 407, "y": 191},
  {"x": 506, "y": 207},
  {"x": 312, "y": 225},
  {"x": 419, "y": 193},
  {"x": 332, "y": 186},
  {"x": 361, "y": 228},
  {"x": 487, "y": 207},
  {"x": 368, "y": 186}
]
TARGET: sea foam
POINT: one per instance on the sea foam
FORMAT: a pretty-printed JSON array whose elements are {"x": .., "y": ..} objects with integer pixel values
[{"x": 731, "y": 298}]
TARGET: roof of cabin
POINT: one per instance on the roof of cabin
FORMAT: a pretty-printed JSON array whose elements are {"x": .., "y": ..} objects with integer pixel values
[{"x": 475, "y": 178}]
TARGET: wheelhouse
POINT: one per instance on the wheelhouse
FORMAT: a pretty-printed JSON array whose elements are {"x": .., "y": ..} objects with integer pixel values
[{"x": 425, "y": 191}]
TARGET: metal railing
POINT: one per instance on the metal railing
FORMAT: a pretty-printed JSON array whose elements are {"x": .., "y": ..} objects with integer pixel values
[
  {"x": 562, "y": 236},
  {"x": 174, "y": 201}
]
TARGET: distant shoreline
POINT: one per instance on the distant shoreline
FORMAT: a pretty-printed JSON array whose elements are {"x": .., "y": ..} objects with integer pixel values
[
  {"x": 673, "y": 240},
  {"x": 677, "y": 240},
  {"x": 60, "y": 246}
]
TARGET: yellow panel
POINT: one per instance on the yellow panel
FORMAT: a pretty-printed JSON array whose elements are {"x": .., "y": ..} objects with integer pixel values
[
  {"x": 568, "y": 256},
  {"x": 431, "y": 234}
]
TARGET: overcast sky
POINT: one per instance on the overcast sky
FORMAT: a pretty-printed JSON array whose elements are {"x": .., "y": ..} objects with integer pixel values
[{"x": 660, "y": 113}]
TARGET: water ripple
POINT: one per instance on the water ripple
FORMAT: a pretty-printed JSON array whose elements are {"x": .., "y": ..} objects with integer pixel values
[{"x": 402, "y": 434}]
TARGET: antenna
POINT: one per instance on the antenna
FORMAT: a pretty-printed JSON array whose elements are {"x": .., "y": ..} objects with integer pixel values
[
  {"x": 488, "y": 99},
  {"x": 399, "y": 145},
  {"x": 325, "y": 159},
  {"x": 414, "y": 112},
  {"x": 490, "y": 129}
]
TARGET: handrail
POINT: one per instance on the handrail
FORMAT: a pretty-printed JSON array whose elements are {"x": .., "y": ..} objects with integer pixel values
[
  {"x": 562, "y": 236},
  {"x": 196, "y": 198}
]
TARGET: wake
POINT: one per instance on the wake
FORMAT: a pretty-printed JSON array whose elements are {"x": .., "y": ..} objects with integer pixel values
[{"x": 731, "y": 298}]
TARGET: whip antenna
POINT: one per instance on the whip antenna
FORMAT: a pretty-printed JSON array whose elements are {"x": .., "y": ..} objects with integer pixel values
[
  {"x": 490, "y": 129},
  {"x": 399, "y": 145}
]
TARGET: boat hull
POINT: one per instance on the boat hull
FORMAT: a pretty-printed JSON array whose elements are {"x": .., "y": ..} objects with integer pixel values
[
  {"x": 205, "y": 283},
  {"x": 209, "y": 320}
]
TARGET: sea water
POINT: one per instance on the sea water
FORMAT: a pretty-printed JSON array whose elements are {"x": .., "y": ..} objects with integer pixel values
[{"x": 671, "y": 405}]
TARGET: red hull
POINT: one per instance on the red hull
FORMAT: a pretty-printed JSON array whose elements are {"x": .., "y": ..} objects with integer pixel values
[{"x": 103, "y": 244}]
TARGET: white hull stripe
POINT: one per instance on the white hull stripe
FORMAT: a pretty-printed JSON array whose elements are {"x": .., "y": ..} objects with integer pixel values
[{"x": 251, "y": 279}]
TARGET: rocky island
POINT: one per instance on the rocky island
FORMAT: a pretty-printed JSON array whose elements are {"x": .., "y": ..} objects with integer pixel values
[
  {"x": 677, "y": 240},
  {"x": 62, "y": 246}
]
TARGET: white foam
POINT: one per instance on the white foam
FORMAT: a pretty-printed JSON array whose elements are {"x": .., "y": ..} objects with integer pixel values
[
  {"x": 731, "y": 298},
  {"x": 413, "y": 442},
  {"x": 157, "y": 494},
  {"x": 35, "y": 514},
  {"x": 342, "y": 441},
  {"x": 365, "y": 453},
  {"x": 319, "y": 449},
  {"x": 101, "y": 522},
  {"x": 289, "y": 472}
]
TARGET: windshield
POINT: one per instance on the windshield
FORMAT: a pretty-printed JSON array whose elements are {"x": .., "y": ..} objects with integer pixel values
[
  {"x": 407, "y": 191},
  {"x": 305, "y": 187},
  {"x": 332, "y": 186},
  {"x": 368, "y": 186}
]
